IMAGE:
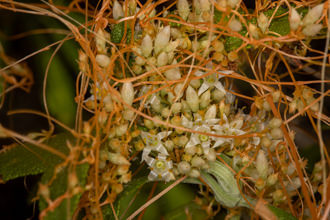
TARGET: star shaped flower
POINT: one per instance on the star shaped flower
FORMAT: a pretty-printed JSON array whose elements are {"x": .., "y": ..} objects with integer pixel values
[
  {"x": 153, "y": 143},
  {"x": 161, "y": 168}
]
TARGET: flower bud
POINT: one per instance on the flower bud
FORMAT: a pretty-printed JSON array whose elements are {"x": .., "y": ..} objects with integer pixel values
[
  {"x": 146, "y": 46},
  {"x": 183, "y": 8},
  {"x": 148, "y": 123},
  {"x": 276, "y": 96},
  {"x": 194, "y": 173},
  {"x": 128, "y": 114},
  {"x": 211, "y": 112},
  {"x": 195, "y": 83},
  {"x": 260, "y": 183},
  {"x": 266, "y": 142},
  {"x": 190, "y": 150},
  {"x": 233, "y": 3},
  {"x": 275, "y": 123},
  {"x": 312, "y": 30},
  {"x": 313, "y": 15},
  {"x": 276, "y": 133},
  {"x": 102, "y": 60},
  {"x": 176, "y": 107},
  {"x": 192, "y": 99},
  {"x": 263, "y": 22},
  {"x": 118, "y": 159},
  {"x": 155, "y": 104},
  {"x": 169, "y": 145},
  {"x": 127, "y": 93},
  {"x": 165, "y": 112},
  {"x": 272, "y": 179},
  {"x": 173, "y": 73},
  {"x": 254, "y": 31},
  {"x": 218, "y": 95},
  {"x": 121, "y": 129},
  {"x": 205, "y": 99},
  {"x": 117, "y": 10},
  {"x": 205, "y": 5},
  {"x": 197, "y": 162},
  {"x": 294, "y": 19},
  {"x": 262, "y": 164},
  {"x": 235, "y": 25},
  {"x": 211, "y": 155},
  {"x": 162, "y": 59},
  {"x": 184, "y": 167},
  {"x": 278, "y": 196},
  {"x": 162, "y": 39}
]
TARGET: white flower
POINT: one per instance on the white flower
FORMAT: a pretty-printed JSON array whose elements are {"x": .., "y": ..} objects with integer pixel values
[
  {"x": 228, "y": 128},
  {"x": 203, "y": 126},
  {"x": 153, "y": 143},
  {"x": 160, "y": 168},
  {"x": 211, "y": 80}
]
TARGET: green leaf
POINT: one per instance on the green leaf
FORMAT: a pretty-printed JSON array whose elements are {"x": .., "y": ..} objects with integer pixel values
[
  {"x": 59, "y": 187},
  {"x": 180, "y": 212},
  {"x": 117, "y": 33},
  {"x": 28, "y": 159},
  {"x": 124, "y": 198},
  {"x": 281, "y": 214}
]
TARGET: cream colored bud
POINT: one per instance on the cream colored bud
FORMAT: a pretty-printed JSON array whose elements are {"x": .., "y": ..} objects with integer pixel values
[
  {"x": 192, "y": 99},
  {"x": 312, "y": 30},
  {"x": 218, "y": 95},
  {"x": 272, "y": 179},
  {"x": 148, "y": 123},
  {"x": 165, "y": 112},
  {"x": 294, "y": 19},
  {"x": 139, "y": 61},
  {"x": 190, "y": 150},
  {"x": 156, "y": 105},
  {"x": 183, "y": 8},
  {"x": 146, "y": 46},
  {"x": 260, "y": 183},
  {"x": 102, "y": 60},
  {"x": 127, "y": 93},
  {"x": 275, "y": 122},
  {"x": 182, "y": 141},
  {"x": 169, "y": 145},
  {"x": 262, "y": 164},
  {"x": 276, "y": 133},
  {"x": 176, "y": 108},
  {"x": 184, "y": 167},
  {"x": 197, "y": 162},
  {"x": 235, "y": 25},
  {"x": 195, "y": 83},
  {"x": 204, "y": 5},
  {"x": 118, "y": 159},
  {"x": 254, "y": 31},
  {"x": 162, "y": 39},
  {"x": 205, "y": 99},
  {"x": 265, "y": 142},
  {"x": 278, "y": 196},
  {"x": 276, "y": 96},
  {"x": 194, "y": 173},
  {"x": 263, "y": 22},
  {"x": 128, "y": 114},
  {"x": 162, "y": 59},
  {"x": 117, "y": 10},
  {"x": 313, "y": 15},
  {"x": 211, "y": 112},
  {"x": 211, "y": 155},
  {"x": 233, "y": 3},
  {"x": 174, "y": 73},
  {"x": 108, "y": 105},
  {"x": 121, "y": 129}
]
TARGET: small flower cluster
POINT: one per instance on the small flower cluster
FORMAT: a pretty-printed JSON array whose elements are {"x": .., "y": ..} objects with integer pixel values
[{"x": 178, "y": 113}]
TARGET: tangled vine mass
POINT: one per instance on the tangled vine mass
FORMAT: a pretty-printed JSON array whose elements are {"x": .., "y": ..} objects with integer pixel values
[{"x": 198, "y": 92}]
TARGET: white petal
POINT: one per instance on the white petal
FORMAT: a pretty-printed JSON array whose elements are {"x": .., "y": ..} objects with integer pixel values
[{"x": 203, "y": 88}]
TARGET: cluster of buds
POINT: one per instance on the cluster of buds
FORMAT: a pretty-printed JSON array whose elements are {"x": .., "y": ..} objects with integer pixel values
[
  {"x": 192, "y": 114},
  {"x": 308, "y": 23},
  {"x": 303, "y": 97}
]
